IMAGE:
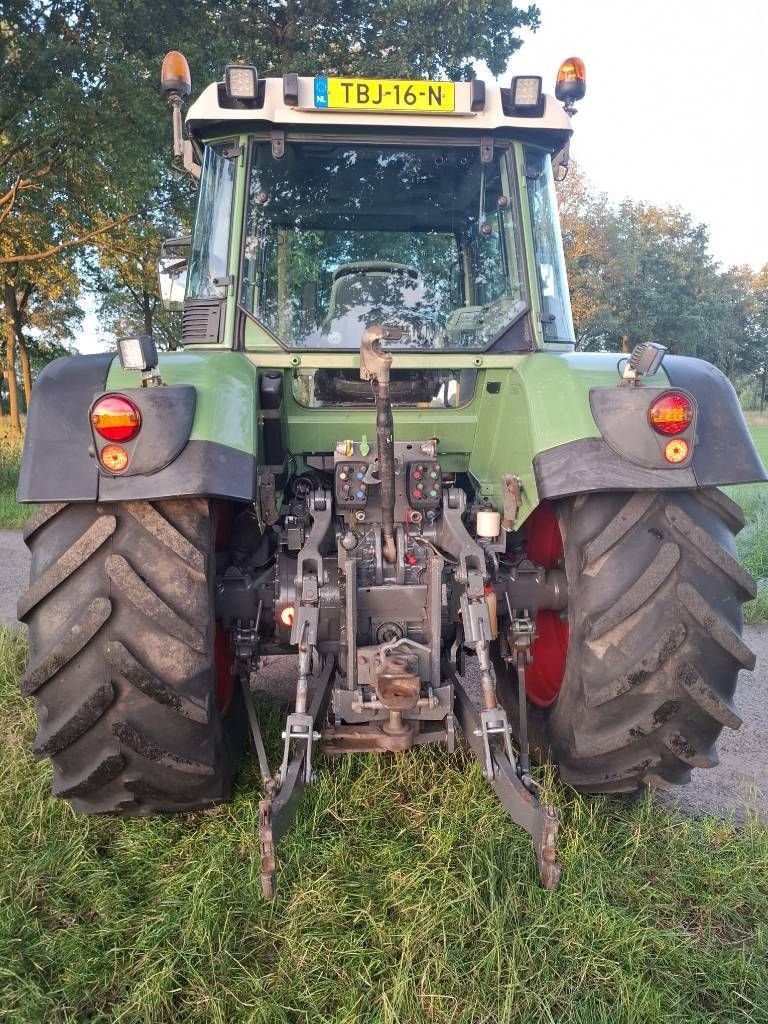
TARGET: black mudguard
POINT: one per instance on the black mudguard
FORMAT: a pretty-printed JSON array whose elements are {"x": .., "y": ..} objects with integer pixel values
[
  {"x": 59, "y": 461},
  {"x": 628, "y": 455}
]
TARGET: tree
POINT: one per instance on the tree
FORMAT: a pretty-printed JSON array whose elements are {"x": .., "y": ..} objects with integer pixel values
[
  {"x": 83, "y": 133},
  {"x": 586, "y": 224},
  {"x": 640, "y": 272},
  {"x": 405, "y": 38}
]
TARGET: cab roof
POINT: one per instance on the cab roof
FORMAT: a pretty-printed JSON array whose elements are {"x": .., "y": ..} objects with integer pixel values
[{"x": 213, "y": 110}]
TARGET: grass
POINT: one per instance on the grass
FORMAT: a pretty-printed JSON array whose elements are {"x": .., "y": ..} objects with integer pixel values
[
  {"x": 752, "y": 542},
  {"x": 405, "y": 896},
  {"x": 12, "y": 515}
]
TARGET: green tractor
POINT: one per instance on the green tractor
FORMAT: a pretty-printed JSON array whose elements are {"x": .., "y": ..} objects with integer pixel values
[{"x": 377, "y": 450}]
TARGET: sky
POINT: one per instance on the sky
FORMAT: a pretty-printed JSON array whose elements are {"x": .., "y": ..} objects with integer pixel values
[{"x": 676, "y": 110}]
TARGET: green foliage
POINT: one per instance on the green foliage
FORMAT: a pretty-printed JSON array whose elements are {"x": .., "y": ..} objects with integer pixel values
[
  {"x": 639, "y": 272},
  {"x": 12, "y": 515},
  {"x": 405, "y": 895},
  {"x": 406, "y": 38},
  {"x": 84, "y": 132},
  {"x": 752, "y": 542}
]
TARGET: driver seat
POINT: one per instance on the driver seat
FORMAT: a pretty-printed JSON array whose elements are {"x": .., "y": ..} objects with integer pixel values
[{"x": 388, "y": 287}]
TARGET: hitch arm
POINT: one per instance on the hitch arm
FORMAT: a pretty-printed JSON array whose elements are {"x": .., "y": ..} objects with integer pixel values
[
  {"x": 539, "y": 820},
  {"x": 283, "y": 789}
]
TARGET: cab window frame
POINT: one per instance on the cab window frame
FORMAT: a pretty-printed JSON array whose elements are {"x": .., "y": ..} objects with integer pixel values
[{"x": 354, "y": 137}]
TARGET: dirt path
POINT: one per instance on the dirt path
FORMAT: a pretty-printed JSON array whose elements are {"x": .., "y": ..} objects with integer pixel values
[
  {"x": 14, "y": 570},
  {"x": 738, "y": 783}
]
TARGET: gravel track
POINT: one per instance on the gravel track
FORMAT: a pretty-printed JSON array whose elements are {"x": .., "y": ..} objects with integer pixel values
[{"x": 738, "y": 785}]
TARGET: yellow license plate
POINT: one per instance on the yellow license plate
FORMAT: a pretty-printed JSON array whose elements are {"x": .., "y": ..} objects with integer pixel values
[{"x": 384, "y": 95}]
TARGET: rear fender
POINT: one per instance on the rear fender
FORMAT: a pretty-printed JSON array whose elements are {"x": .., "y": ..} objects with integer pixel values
[
  {"x": 628, "y": 455},
  {"x": 199, "y": 433}
]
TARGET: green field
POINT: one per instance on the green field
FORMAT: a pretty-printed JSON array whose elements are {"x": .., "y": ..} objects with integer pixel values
[{"x": 405, "y": 896}]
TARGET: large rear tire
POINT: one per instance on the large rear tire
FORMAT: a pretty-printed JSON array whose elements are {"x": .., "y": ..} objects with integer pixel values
[
  {"x": 654, "y": 650},
  {"x": 131, "y": 709}
]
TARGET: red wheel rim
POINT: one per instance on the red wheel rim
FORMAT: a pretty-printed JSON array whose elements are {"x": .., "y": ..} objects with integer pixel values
[
  {"x": 544, "y": 677},
  {"x": 222, "y": 648},
  {"x": 222, "y": 658}
]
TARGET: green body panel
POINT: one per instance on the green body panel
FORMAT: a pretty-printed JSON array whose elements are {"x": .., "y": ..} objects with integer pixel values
[
  {"x": 542, "y": 401},
  {"x": 227, "y": 394}
]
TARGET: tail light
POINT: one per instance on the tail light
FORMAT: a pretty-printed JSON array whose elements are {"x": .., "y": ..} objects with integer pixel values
[
  {"x": 671, "y": 413},
  {"x": 115, "y": 418}
]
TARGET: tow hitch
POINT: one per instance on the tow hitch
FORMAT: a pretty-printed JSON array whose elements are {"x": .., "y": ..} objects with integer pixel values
[{"x": 489, "y": 737}]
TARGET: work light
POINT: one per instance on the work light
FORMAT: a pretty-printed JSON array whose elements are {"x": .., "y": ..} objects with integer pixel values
[
  {"x": 139, "y": 353},
  {"x": 526, "y": 92},
  {"x": 241, "y": 82}
]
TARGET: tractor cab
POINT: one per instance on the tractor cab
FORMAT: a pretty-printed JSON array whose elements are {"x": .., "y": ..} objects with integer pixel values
[{"x": 328, "y": 205}]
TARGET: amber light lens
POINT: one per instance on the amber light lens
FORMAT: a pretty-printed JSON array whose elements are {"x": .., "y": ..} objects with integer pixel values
[
  {"x": 114, "y": 458},
  {"x": 287, "y": 615},
  {"x": 174, "y": 74},
  {"x": 116, "y": 418},
  {"x": 571, "y": 81},
  {"x": 676, "y": 451},
  {"x": 671, "y": 414}
]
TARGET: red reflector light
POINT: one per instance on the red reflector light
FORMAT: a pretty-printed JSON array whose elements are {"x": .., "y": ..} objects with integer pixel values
[
  {"x": 671, "y": 413},
  {"x": 114, "y": 458},
  {"x": 116, "y": 418},
  {"x": 287, "y": 614}
]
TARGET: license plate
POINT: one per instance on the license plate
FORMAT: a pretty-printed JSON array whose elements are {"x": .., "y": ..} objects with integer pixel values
[{"x": 384, "y": 95}]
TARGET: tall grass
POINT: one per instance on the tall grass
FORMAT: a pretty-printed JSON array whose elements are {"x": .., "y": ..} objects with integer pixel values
[
  {"x": 11, "y": 513},
  {"x": 405, "y": 896},
  {"x": 752, "y": 542}
]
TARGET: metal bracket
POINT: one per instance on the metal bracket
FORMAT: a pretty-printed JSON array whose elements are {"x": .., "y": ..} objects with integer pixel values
[
  {"x": 453, "y": 537},
  {"x": 494, "y": 722},
  {"x": 522, "y": 633},
  {"x": 267, "y": 497},
  {"x": 278, "y": 143},
  {"x": 539, "y": 820},
  {"x": 486, "y": 149},
  {"x": 309, "y": 558},
  {"x": 305, "y": 622},
  {"x": 299, "y": 728},
  {"x": 245, "y": 638},
  {"x": 512, "y": 498}
]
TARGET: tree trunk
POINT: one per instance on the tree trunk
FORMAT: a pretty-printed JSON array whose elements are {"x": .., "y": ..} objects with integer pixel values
[
  {"x": 148, "y": 311},
  {"x": 762, "y": 389},
  {"x": 10, "y": 376},
  {"x": 26, "y": 373}
]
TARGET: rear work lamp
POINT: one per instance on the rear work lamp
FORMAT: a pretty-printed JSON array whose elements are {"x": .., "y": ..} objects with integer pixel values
[
  {"x": 139, "y": 353},
  {"x": 644, "y": 360},
  {"x": 241, "y": 82},
  {"x": 526, "y": 96}
]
